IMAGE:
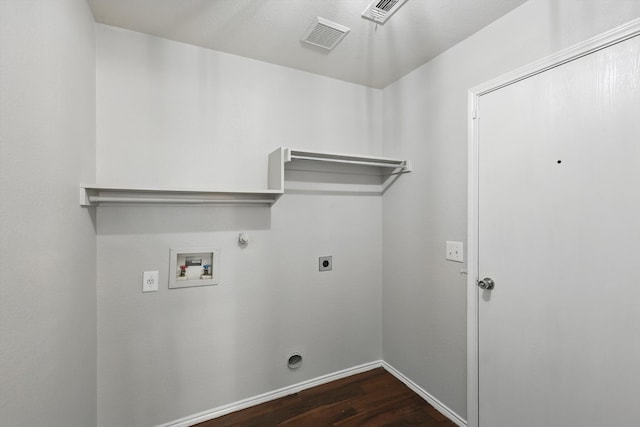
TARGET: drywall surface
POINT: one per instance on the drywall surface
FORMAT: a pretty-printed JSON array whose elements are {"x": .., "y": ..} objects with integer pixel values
[
  {"x": 47, "y": 242},
  {"x": 170, "y": 114},
  {"x": 426, "y": 117}
]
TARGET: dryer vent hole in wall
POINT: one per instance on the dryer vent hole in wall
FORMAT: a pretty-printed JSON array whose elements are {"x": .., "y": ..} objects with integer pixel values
[{"x": 294, "y": 361}]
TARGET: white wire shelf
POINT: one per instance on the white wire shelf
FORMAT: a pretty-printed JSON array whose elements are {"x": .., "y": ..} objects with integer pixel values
[{"x": 104, "y": 195}]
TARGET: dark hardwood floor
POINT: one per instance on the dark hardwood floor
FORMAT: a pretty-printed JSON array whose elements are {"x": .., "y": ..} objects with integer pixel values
[{"x": 374, "y": 398}]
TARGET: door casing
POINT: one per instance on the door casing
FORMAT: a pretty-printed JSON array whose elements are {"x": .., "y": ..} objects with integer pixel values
[{"x": 609, "y": 38}]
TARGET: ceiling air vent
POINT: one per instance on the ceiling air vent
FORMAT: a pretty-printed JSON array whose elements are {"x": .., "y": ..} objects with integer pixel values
[
  {"x": 381, "y": 10},
  {"x": 325, "y": 34}
]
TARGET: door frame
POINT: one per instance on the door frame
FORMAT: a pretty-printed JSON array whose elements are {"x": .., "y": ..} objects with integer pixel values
[{"x": 602, "y": 41}]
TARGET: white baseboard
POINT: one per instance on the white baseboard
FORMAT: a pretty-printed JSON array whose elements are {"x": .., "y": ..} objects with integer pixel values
[
  {"x": 272, "y": 395},
  {"x": 441, "y": 407},
  {"x": 286, "y": 391}
]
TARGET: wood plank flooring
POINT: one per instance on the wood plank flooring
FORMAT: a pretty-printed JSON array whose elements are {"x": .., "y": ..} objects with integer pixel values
[{"x": 373, "y": 399}]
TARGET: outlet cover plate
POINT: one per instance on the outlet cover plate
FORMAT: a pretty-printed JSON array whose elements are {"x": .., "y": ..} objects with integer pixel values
[
  {"x": 325, "y": 263},
  {"x": 455, "y": 251},
  {"x": 150, "y": 281}
]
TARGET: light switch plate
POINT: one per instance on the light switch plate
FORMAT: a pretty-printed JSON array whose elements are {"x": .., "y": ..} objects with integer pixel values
[
  {"x": 150, "y": 281},
  {"x": 455, "y": 251}
]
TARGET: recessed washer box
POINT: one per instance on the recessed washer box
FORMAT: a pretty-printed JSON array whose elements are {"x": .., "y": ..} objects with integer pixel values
[{"x": 194, "y": 267}]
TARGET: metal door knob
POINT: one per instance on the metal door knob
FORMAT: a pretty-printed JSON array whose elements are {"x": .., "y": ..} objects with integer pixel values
[{"x": 486, "y": 283}]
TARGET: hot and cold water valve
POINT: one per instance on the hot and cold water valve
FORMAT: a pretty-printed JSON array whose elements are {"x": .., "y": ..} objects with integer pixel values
[{"x": 194, "y": 267}]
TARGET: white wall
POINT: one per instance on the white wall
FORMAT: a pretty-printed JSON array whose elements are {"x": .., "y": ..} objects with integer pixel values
[
  {"x": 171, "y": 114},
  {"x": 47, "y": 241},
  {"x": 424, "y": 296}
]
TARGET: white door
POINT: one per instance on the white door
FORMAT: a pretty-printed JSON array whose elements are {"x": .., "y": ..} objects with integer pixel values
[{"x": 559, "y": 234}]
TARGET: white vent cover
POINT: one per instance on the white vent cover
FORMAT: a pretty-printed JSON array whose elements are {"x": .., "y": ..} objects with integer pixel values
[
  {"x": 381, "y": 10},
  {"x": 325, "y": 34}
]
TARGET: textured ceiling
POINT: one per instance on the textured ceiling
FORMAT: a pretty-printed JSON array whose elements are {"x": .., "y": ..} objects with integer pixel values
[{"x": 270, "y": 30}]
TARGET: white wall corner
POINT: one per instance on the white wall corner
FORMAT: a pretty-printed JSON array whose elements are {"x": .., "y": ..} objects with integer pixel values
[{"x": 441, "y": 407}]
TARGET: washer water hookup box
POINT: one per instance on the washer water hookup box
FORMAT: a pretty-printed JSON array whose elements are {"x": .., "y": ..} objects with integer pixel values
[{"x": 194, "y": 267}]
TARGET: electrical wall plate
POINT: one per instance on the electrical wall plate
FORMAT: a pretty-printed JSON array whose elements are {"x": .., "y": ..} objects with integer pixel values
[
  {"x": 325, "y": 263},
  {"x": 150, "y": 281},
  {"x": 194, "y": 267},
  {"x": 455, "y": 251}
]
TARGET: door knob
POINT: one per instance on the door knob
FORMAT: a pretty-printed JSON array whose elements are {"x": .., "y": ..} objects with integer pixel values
[{"x": 486, "y": 283}]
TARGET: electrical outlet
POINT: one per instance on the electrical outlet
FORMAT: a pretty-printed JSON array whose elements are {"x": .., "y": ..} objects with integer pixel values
[
  {"x": 455, "y": 251},
  {"x": 150, "y": 281},
  {"x": 325, "y": 263}
]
